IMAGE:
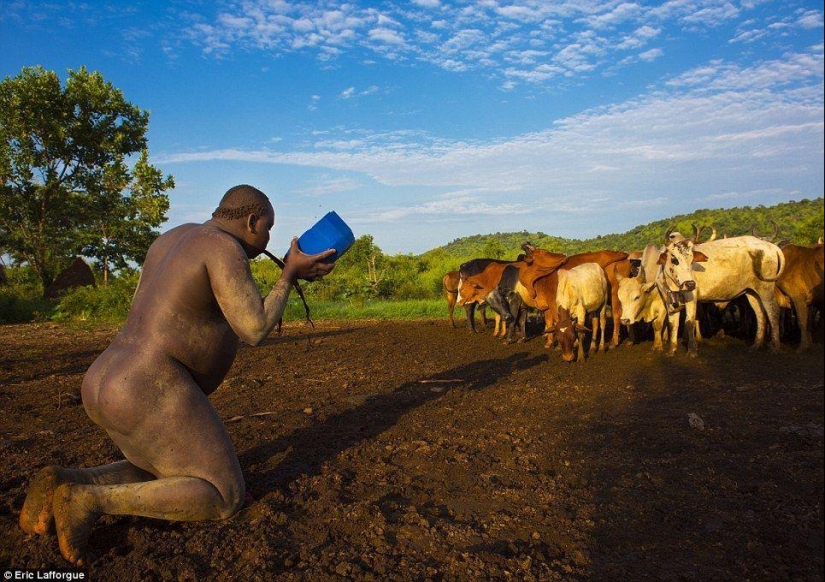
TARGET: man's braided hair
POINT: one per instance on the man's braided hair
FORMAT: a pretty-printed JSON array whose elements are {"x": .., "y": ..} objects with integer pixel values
[
  {"x": 240, "y": 202},
  {"x": 239, "y": 211}
]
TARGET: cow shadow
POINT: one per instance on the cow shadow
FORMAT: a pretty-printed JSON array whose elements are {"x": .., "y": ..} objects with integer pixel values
[{"x": 307, "y": 449}]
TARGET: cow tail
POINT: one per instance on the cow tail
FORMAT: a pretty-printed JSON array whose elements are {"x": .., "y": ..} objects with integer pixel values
[{"x": 758, "y": 262}]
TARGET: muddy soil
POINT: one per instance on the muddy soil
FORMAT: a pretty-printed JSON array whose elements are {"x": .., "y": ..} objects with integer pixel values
[{"x": 415, "y": 451}]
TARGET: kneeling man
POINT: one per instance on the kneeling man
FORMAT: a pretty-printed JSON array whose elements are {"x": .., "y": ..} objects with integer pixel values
[{"x": 149, "y": 388}]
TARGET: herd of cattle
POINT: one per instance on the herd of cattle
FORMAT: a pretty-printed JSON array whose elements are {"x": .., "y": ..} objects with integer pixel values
[{"x": 660, "y": 285}]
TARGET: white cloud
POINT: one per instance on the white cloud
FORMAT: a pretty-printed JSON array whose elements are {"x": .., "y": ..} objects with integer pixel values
[
  {"x": 714, "y": 127},
  {"x": 810, "y": 19},
  {"x": 325, "y": 185},
  {"x": 526, "y": 40},
  {"x": 651, "y": 55},
  {"x": 386, "y": 35}
]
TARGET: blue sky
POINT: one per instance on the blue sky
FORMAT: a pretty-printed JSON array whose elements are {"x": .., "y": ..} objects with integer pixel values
[{"x": 423, "y": 121}]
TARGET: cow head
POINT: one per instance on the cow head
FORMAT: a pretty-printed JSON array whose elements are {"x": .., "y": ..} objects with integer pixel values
[
  {"x": 633, "y": 293},
  {"x": 470, "y": 290},
  {"x": 567, "y": 330},
  {"x": 677, "y": 262}
]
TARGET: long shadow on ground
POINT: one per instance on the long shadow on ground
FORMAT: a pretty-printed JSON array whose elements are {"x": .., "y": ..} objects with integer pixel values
[{"x": 308, "y": 448}]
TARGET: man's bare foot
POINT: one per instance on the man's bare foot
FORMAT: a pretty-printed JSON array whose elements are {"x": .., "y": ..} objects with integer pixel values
[
  {"x": 75, "y": 511},
  {"x": 36, "y": 516}
]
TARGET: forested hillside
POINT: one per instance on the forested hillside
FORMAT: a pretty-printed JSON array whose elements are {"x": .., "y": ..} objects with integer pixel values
[{"x": 800, "y": 222}]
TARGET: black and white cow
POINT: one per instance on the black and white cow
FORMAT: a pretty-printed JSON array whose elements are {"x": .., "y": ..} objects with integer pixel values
[{"x": 508, "y": 304}]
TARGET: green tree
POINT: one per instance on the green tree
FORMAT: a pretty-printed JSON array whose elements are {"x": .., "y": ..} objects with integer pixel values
[
  {"x": 63, "y": 154},
  {"x": 123, "y": 226},
  {"x": 493, "y": 249}
]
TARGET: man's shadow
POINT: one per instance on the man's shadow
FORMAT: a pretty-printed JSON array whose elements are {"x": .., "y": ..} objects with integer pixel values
[{"x": 306, "y": 449}]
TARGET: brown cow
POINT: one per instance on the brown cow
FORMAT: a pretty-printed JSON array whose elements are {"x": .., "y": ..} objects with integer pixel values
[
  {"x": 474, "y": 288},
  {"x": 450, "y": 282},
  {"x": 541, "y": 292},
  {"x": 800, "y": 285},
  {"x": 508, "y": 301}
]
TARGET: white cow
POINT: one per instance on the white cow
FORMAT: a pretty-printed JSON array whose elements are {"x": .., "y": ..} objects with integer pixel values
[
  {"x": 582, "y": 290},
  {"x": 640, "y": 299},
  {"x": 719, "y": 271}
]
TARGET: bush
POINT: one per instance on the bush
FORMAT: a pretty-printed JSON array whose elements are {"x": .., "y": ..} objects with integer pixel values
[
  {"x": 22, "y": 308},
  {"x": 108, "y": 303}
]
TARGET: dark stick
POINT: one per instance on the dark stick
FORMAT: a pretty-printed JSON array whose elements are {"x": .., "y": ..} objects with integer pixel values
[{"x": 295, "y": 284}]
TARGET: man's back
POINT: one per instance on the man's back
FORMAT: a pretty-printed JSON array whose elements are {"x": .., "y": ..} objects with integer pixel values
[{"x": 175, "y": 311}]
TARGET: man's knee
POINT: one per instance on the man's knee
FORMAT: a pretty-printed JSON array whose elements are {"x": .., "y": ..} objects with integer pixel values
[{"x": 232, "y": 496}]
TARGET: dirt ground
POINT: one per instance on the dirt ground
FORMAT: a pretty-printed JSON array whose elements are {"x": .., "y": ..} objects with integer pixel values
[{"x": 414, "y": 451}]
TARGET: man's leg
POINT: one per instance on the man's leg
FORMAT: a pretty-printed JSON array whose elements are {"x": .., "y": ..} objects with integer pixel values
[
  {"x": 77, "y": 507},
  {"x": 37, "y": 517},
  {"x": 180, "y": 439}
]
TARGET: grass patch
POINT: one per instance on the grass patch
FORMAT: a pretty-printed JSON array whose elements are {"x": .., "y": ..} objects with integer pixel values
[{"x": 367, "y": 309}]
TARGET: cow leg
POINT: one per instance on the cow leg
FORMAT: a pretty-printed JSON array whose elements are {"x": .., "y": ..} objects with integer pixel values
[
  {"x": 602, "y": 322},
  {"x": 673, "y": 330},
  {"x": 451, "y": 298},
  {"x": 631, "y": 334},
  {"x": 483, "y": 312},
  {"x": 497, "y": 326},
  {"x": 470, "y": 308},
  {"x": 658, "y": 325},
  {"x": 520, "y": 316},
  {"x": 503, "y": 308},
  {"x": 690, "y": 328},
  {"x": 702, "y": 315},
  {"x": 803, "y": 317},
  {"x": 771, "y": 308},
  {"x": 549, "y": 322},
  {"x": 594, "y": 336},
  {"x": 759, "y": 313},
  {"x": 616, "y": 310}
]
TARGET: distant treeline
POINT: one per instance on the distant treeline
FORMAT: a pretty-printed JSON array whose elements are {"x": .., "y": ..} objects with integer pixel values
[{"x": 800, "y": 222}]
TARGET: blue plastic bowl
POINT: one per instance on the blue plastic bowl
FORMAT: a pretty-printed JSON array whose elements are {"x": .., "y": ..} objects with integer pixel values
[{"x": 328, "y": 233}]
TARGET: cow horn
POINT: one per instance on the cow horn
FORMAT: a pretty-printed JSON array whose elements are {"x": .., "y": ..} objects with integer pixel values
[
  {"x": 697, "y": 232},
  {"x": 819, "y": 241},
  {"x": 712, "y": 234},
  {"x": 753, "y": 230},
  {"x": 528, "y": 247},
  {"x": 775, "y": 231},
  {"x": 667, "y": 235}
]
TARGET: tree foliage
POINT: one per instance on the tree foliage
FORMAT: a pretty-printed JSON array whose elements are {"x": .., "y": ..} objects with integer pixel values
[{"x": 66, "y": 188}]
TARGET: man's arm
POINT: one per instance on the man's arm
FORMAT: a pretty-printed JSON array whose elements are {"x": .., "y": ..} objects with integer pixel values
[{"x": 250, "y": 317}]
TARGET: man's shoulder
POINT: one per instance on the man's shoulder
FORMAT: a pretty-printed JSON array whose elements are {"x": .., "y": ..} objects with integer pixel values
[
  {"x": 194, "y": 231},
  {"x": 208, "y": 238}
]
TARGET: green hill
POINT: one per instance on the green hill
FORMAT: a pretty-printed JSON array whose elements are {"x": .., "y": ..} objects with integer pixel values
[{"x": 800, "y": 222}]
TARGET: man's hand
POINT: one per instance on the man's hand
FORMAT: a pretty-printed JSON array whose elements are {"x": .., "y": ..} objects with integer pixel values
[{"x": 308, "y": 267}]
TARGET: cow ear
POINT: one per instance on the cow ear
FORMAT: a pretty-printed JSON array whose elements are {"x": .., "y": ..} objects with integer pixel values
[
  {"x": 699, "y": 257},
  {"x": 662, "y": 259}
]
